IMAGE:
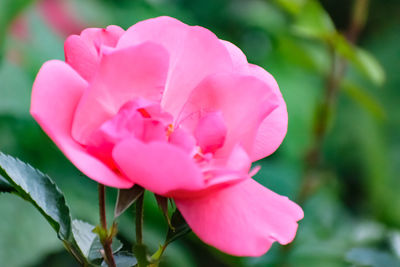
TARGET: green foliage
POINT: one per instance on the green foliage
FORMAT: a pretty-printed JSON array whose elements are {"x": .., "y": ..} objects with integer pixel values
[
  {"x": 364, "y": 99},
  {"x": 9, "y": 10},
  {"x": 14, "y": 90},
  {"x": 313, "y": 21},
  {"x": 371, "y": 257},
  {"x": 5, "y": 185},
  {"x": 37, "y": 188},
  {"x": 123, "y": 259}
]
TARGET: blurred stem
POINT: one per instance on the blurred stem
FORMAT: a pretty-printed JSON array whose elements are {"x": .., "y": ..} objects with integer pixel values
[
  {"x": 326, "y": 109},
  {"x": 311, "y": 180},
  {"x": 106, "y": 242}
]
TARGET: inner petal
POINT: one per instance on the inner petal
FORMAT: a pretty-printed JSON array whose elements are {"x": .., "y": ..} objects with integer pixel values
[
  {"x": 138, "y": 118},
  {"x": 210, "y": 132}
]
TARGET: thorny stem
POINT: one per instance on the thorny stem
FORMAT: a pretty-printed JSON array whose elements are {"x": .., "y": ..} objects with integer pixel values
[{"x": 108, "y": 255}]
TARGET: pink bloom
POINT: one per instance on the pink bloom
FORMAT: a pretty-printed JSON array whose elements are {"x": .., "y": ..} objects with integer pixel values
[{"x": 176, "y": 110}]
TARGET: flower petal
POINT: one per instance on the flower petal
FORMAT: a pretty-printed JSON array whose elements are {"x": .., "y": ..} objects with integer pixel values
[
  {"x": 210, "y": 132},
  {"x": 195, "y": 53},
  {"x": 56, "y": 92},
  {"x": 82, "y": 51},
  {"x": 273, "y": 129},
  {"x": 237, "y": 56},
  {"x": 124, "y": 74},
  {"x": 159, "y": 167},
  {"x": 243, "y": 219},
  {"x": 244, "y": 102}
]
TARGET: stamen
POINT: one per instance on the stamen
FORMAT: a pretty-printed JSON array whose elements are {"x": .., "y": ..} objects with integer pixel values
[{"x": 170, "y": 129}]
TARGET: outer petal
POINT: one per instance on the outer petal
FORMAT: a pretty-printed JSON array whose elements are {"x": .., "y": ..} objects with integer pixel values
[
  {"x": 124, "y": 74},
  {"x": 56, "y": 92},
  {"x": 238, "y": 58},
  {"x": 159, "y": 167},
  {"x": 82, "y": 51},
  {"x": 195, "y": 53},
  {"x": 244, "y": 102},
  {"x": 243, "y": 219},
  {"x": 273, "y": 129}
]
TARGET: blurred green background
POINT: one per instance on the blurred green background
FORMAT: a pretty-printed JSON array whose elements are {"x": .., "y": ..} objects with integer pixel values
[{"x": 340, "y": 158}]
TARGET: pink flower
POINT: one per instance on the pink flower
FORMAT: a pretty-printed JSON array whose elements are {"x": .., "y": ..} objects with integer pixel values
[{"x": 176, "y": 110}]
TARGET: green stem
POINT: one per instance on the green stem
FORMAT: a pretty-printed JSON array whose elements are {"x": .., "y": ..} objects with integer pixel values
[
  {"x": 139, "y": 249},
  {"x": 311, "y": 181},
  {"x": 106, "y": 242},
  {"x": 139, "y": 220}
]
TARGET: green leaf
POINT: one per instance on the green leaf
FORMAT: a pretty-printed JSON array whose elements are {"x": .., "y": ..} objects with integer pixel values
[
  {"x": 180, "y": 227},
  {"x": 96, "y": 247},
  {"x": 123, "y": 259},
  {"x": 38, "y": 189},
  {"x": 292, "y": 6},
  {"x": 364, "y": 99},
  {"x": 5, "y": 185},
  {"x": 83, "y": 235},
  {"x": 313, "y": 22},
  {"x": 126, "y": 197},
  {"x": 368, "y": 65},
  {"x": 41, "y": 191}
]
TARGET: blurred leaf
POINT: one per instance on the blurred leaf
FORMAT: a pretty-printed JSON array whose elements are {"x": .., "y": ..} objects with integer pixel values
[
  {"x": 362, "y": 60},
  {"x": 254, "y": 13},
  {"x": 369, "y": 232},
  {"x": 370, "y": 67},
  {"x": 14, "y": 90},
  {"x": 313, "y": 21},
  {"x": 311, "y": 56},
  {"x": 364, "y": 99},
  {"x": 180, "y": 227},
  {"x": 126, "y": 197},
  {"x": 123, "y": 259},
  {"x": 371, "y": 257},
  {"x": 26, "y": 237},
  {"x": 394, "y": 238},
  {"x": 291, "y": 6},
  {"x": 9, "y": 10}
]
